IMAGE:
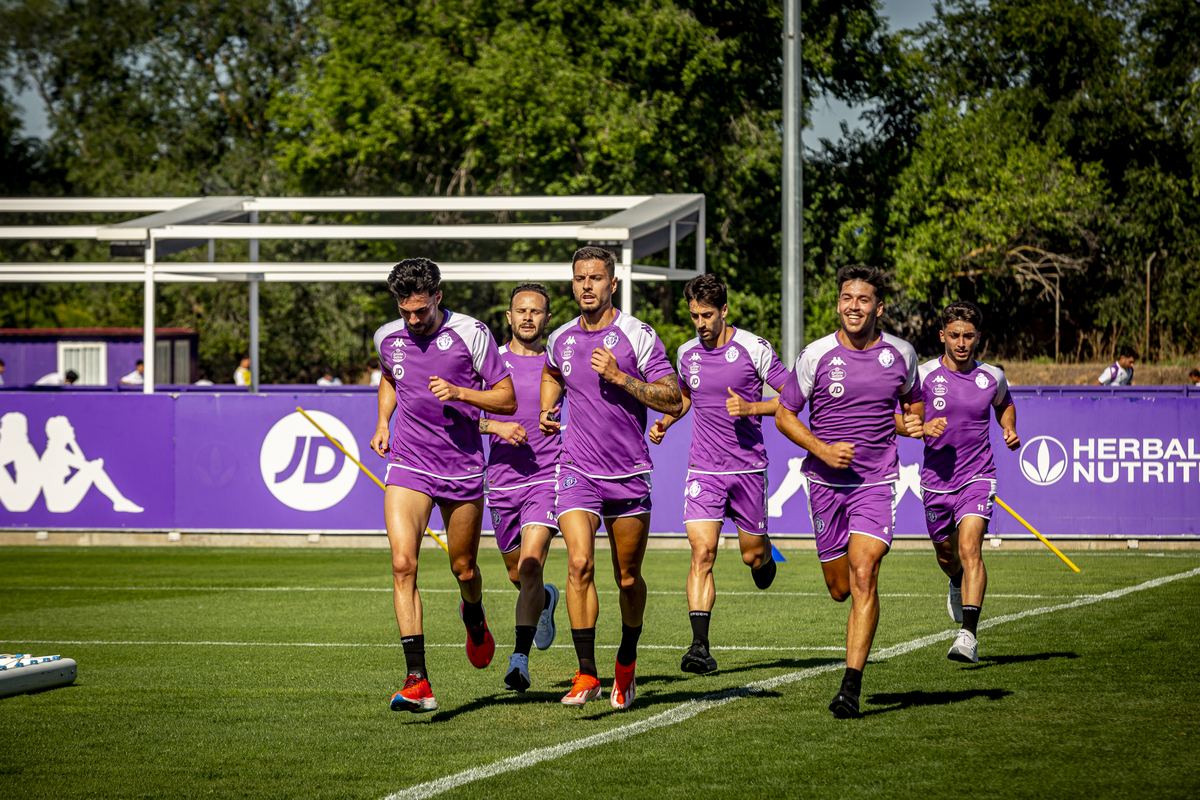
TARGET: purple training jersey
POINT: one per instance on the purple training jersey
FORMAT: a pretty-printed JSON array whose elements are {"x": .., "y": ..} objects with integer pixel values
[
  {"x": 1116, "y": 375},
  {"x": 852, "y": 396},
  {"x": 510, "y": 466},
  {"x": 963, "y": 452},
  {"x": 429, "y": 436},
  {"x": 605, "y": 433},
  {"x": 721, "y": 444}
]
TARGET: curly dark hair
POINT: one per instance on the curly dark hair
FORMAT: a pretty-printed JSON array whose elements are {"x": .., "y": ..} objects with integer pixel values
[
  {"x": 707, "y": 289},
  {"x": 414, "y": 276},
  {"x": 962, "y": 311}
]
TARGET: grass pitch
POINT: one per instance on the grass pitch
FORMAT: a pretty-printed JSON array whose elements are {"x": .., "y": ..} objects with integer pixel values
[{"x": 266, "y": 673}]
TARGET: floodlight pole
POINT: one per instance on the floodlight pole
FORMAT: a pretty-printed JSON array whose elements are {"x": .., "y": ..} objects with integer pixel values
[
  {"x": 253, "y": 281},
  {"x": 792, "y": 305},
  {"x": 148, "y": 320}
]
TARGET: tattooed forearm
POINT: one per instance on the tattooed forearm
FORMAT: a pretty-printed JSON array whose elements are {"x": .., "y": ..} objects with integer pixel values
[
  {"x": 663, "y": 395},
  {"x": 485, "y": 425}
]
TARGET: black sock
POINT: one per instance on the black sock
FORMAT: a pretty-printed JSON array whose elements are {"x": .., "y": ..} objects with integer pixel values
[
  {"x": 700, "y": 620},
  {"x": 414, "y": 654},
  {"x": 546, "y": 602},
  {"x": 472, "y": 615},
  {"x": 765, "y": 574},
  {"x": 971, "y": 618},
  {"x": 585, "y": 649},
  {"x": 524, "y": 638},
  {"x": 956, "y": 580},
  {"x": 852, "y": 682},
  {"x": 627, "y": 652}
]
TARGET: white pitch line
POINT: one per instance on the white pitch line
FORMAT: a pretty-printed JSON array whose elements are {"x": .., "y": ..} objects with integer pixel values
[
  {"x": 149, "y": 643},
  {"x": 691, "y": 708}
]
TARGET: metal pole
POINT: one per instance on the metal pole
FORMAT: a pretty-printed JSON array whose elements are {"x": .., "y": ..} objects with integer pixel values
[
  {"x": 671, "y": 247},
  {"x": 701, "y": 233},
  {"x": 792, "y": 305},
  {"x": 1057, "y": 302},
  {"x": 625, "y": 273},
  {"x": 253, "y": 310},
  {"x": 148, "y": 321}
]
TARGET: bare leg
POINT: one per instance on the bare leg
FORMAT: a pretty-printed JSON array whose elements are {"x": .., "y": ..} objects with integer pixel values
[
  {"x": 865, "y": 555},
  {"x": 463, "y": 523},
  {"x": 755, "y": 549},
  {"x": 579, "y": 532},
  {"x": 971, "y": 531},
  {"x": 406, "y": 513},
  {"x": 947, "y": 554},
  {"x": 535, "y": 546},
  {"x": 837, "y": 577},
  {"x": 628, "y": 536},
  {"x": 704, "y": 537},
  {"x": 512, "y": 560}
]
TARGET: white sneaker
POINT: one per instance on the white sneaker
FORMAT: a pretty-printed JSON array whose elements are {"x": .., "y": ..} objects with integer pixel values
[
  {"x": 964, "y": 648},
  {"x": 954, "y": 603},
  {"x": 517, "y": 677},
  {"x": 545, "y": 627}
]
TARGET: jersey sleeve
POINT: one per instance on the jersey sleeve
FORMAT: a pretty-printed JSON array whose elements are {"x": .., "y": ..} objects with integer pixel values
[
  {"x": 1107, "y": 376},
  {"x": 770, "y": 369},
  {"x": 799, "y": 385},
  {"x": 652, "y": 358},
  {"x": 1003, "y": 397},
  {"x": 912, "y": 386},
  {"x": 485, "y": 356}
]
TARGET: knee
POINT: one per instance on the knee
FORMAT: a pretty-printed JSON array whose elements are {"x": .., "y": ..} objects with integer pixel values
[
  {"x": 404, "y": 567},
  {"x": 463, "y": 568},
  {"x": 753, "y": 557},
  {"x": 529, "y": 572},
  {"x": 703, "y": 557},
  {"x": 839, "y": 593},
  {"x": 628, "y": 579},
  {"x": 581, "y": 568},
  {"x": 862, "y": 577}
]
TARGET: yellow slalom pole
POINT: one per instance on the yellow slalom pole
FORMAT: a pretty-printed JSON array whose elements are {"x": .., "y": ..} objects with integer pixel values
[
  {"x": 370, "y": 474},
  {"x": 1032, "y": 530}
]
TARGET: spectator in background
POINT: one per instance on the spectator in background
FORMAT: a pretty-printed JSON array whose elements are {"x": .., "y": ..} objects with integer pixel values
[
  {"x": 1120, "y": 373},
  {"x": 204, "y": 381},
  {"x": 137, "y": 377},
  {"x": 327, "y": 378},
  {"x": 1194, "y": 375},
  {"x": 372, "y": 369},
  {"x": 241, "y": 375},
  {"x": 2, "y": 372},
  {"x": 54, "y": 379}
]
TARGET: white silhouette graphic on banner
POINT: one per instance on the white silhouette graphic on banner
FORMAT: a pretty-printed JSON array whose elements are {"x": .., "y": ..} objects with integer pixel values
[
  {"x": 300, "y": 466},
  {"x": 909, "y": 480},
  {"x": 63, "y": 474}
]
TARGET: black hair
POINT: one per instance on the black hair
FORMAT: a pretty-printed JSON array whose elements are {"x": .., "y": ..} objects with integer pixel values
[
  {"x": 531, "y": 287},
  {"x": 1127, "y": 352},
  {"x": 71, "y": 376},
  {"x": 141, "y": 362},
  {"x": 593, "y": 253},
  {"x": 861, "y": 272},
  {"x": 707, "y": 289},
  {"x": 414, "y": 276},
  {"x": 1, "y": 362},
  {"x": 962, "y": 311}
]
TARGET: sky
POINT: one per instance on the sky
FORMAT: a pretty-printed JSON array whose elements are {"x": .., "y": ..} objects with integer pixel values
[{"x": 826, "y": 119}]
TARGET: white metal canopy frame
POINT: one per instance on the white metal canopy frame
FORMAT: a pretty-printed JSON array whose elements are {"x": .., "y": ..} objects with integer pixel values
[{"x": 639, "y": 225}]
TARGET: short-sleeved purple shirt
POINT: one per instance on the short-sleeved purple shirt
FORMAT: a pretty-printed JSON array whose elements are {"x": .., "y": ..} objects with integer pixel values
[
  {"x": 722, "y": 444},
  {"x": 963, "y": 452},
  {"x": 429, "y": 436},
  {"x": 605, "y": 431},
  {"x": 852, "y": 396},
  {"x": 510, "y": 466}
]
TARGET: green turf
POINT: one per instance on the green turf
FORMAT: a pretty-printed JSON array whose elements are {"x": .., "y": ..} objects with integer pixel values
[{"x": 1096, "y": 701}]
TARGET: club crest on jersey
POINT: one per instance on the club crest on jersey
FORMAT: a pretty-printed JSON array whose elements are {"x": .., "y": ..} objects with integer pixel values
[
  {"x": 939, "y": 403},
  {"x": 568, "y": 353},
  {"x": 837, "y": 374},
  {"x": 569, "y": 481},
  {"x": 610, "y": 340},
  {"x": 566, "y": 369},
  {"x": 694, "y": 489},
  {"x": 837, "y": 389},
  {"x": 818, "y": 524},
  {"x": 836, "y": 362},
  {"x": 731, "y": 354},
  {"x": 397, "y": 372},
  {"x": 694, "y": 369},
  {"x": 981, "y": 381},
  {"x": 886, "y": 359},
  {"x": 495, "y": 518},
  {"x": 931, "y": 514},
  {"x": 694, "y": 381},
  {"x": 444, "y": 341}
]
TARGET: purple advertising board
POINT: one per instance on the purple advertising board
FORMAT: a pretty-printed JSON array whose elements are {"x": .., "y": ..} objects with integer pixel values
[{"x": 1120, "y": 465}]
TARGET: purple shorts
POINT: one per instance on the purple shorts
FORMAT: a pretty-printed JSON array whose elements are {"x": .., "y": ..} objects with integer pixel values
[
  {"x": 838, "y": 511},
  {"x": 513, "y": 509},
  {"x": 741, "y": 497},
  {"x": 604, "y": 497},
  {"x": 442, "y": 490},
  {"x": 944, "y": 510}
]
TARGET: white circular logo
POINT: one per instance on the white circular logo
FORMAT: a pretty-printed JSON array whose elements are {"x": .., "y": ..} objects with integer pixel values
[
  {"x": 398, "y": 356},
  {"x": 568, "y": 353},
  {"x": 694, "y": 369},
  {"x": 495, "y": 518},
  {"x": 694, "y": 381},
  {"x": 569, "y": 481},
  {"x": 610, "y": 341},
  {"x": 444, "y": 341},
  {"x": 837, "y": 389},
  {"x": 931, "y": 515},
  {"x": 818, "y": 524},
  {"x": 566, "y": 368},
  {"x": 397, "y": 372},
  {"x": 981, "y": 381},
  {"x": 939, "y": 403},
  {"x": 302, "y": 468},
  {"x": 886, "y": 358},
  {"x": 1046, "y": 463},
  {"x": 837, "y": 374},
  {"x": 731, "y": 354},
  {"x": 694, "y": 489}
]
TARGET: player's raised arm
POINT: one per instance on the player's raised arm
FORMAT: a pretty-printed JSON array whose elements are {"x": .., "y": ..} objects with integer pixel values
[
  {"x": 660, "y": 427},
  {"x": 552, "y": 392},
  {"x": 662, "y": 395},
  {"x": 912, "y": 422},
  {"x": 738, "y": 406},
  {"x": 386, "y": 401}
]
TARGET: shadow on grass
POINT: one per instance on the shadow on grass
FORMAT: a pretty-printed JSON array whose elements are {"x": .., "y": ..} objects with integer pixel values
[
  {"x": 993, "y": 661},
  {"x": 899, "y": 701}
]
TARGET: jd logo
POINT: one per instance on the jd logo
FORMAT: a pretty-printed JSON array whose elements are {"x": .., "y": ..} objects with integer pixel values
[
  {"x": 1043, "y": 460},
  {"x": 301, "y": 468}
]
